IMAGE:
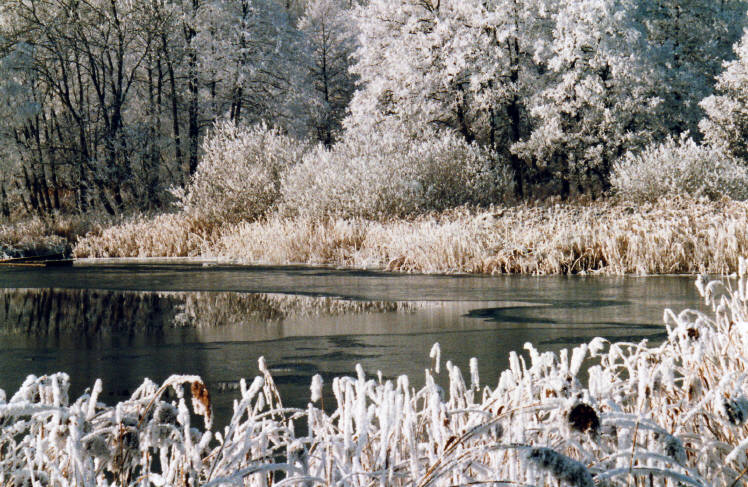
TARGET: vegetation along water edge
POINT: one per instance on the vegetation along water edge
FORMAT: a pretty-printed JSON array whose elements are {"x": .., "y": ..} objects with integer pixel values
[
  {"x": 675, "y": 235},
  {"x": 601, "y": 414}
]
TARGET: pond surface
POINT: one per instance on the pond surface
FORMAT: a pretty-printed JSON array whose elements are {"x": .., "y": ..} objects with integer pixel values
[{"x": 125, "y": 322}]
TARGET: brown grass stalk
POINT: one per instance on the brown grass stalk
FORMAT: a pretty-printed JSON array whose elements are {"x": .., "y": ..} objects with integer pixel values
[{"x": 671, "y": 236}]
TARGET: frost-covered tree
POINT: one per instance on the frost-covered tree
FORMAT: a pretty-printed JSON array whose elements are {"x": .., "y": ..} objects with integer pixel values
[
  {"x": 461, "y": 64},
  {"x": 85, "y": 60},
  {"x": 600, "y": 103},
  {"x": 726, "y": 122},
  {"x": 17, "y": 106},
  {"x": 125, "y": 90},
  {"x": 688, "y": 40},
  {"x": 329, "y": 34},
  {"x": 247, "y": 58}
]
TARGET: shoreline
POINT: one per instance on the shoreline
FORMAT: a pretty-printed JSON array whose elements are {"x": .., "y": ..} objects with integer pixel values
[
  {"x": 209, "y": 262},
  {"x": 678, "y": 236}
]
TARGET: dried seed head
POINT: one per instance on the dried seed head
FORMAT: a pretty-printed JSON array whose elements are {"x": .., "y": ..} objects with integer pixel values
[
  {"x": 96, "y": 446},
  {"x": 583, "y": 418},
  {"x": 165, "y": 414},
  {"x": 693, "y": 333},
  {"x": 201, "y": 401},
  {"x": 701, "y": 282},
  {"x": 674, "y": 449}
]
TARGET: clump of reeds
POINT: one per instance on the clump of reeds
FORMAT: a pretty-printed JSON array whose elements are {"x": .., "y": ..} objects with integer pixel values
[
  {"x": 677, "y": 235},
  {"x": 601, "y": 414},
  {"x": 673, "y": 236},
  {"x": 55, "y": 233},
  {"x": 166, "y": 235}
]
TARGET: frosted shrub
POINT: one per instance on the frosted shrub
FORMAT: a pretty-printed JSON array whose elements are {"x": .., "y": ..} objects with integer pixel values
[
  {"x": 680, "y": 167},
  {"x": 392, "y": 174},
  {"x": 239, "y": 175}
]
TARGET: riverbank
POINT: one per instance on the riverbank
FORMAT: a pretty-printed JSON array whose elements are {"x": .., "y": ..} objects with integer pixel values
[
  {"x": 53, "y": 234},
  {"x": 601, "y": 414},
  {"x": 670, "y": 236}
]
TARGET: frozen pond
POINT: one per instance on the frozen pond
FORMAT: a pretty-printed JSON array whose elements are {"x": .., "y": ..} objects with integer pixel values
[{"x": 124, "y": 322}]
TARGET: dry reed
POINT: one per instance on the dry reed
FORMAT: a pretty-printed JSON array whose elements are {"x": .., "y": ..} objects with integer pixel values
[
  {"x": 676, "y": 235},
  {"x": 34, "y": 236}
]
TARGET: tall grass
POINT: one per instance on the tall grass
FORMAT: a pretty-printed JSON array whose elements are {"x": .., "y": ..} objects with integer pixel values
[
  {"x": 615, "y": 414},
  {"x": 165, "y": 235},
  {"x": 675, "y": 235},
  {"x": 39, "y": 236}
]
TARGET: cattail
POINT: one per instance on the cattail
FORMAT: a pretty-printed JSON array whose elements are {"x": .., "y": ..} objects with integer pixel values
[
  {"x": 435, "y": 356},
  {"x": 474, "y": 378},
  {"x": 316, "y": 387},
  {"x": 201, "y": 402},
  {"x": 583, "y": 418}
]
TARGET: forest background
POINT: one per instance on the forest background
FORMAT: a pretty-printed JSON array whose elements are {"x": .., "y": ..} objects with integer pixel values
[{"x": 224, "y": 127}]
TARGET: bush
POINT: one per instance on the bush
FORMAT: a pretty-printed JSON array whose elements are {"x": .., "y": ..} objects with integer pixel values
[
  {"x": 680, "y": 167},
  {"x": 239, "y": 175},
  {"x": 391, "y": 174}
]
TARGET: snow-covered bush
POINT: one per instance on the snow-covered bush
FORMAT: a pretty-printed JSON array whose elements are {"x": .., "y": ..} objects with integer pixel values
[
  {"x": 392, "y": 174},
  {"x": 240, "y": 172},
  {"x": 680, "y": 167}
]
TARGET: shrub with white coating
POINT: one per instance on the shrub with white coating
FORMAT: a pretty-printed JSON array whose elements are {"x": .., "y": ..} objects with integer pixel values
[
  {"x": 239, "y": 175},
  {"x": 680, "y": 167},
  {"x": 390, "y": 173}
]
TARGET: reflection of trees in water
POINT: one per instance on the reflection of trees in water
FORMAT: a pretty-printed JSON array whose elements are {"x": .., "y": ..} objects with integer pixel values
[
  {"x": 42, "y": 312},
  {"x": 204, "y": 309}
]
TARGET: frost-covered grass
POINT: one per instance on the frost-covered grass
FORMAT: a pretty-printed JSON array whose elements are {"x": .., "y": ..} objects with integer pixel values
[
  {"x": 615, "y": 414},
  {"x": 40, "y": 236},
  {"x": 165, "y": 235},
  {"x": 673, "y": 235}
]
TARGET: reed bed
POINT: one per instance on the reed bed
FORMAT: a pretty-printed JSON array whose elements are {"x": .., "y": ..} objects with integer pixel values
[
  {"x": 615, "y": 414},
  {"x": 677, "y": 235},
  {"x": 165, "y": 235},
  {"x": 38, "y": 236}
]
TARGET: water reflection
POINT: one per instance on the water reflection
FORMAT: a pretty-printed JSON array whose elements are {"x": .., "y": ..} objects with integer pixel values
[
  {"x": 41, "y": 313},
  {"x": 304, "y": 322}
]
